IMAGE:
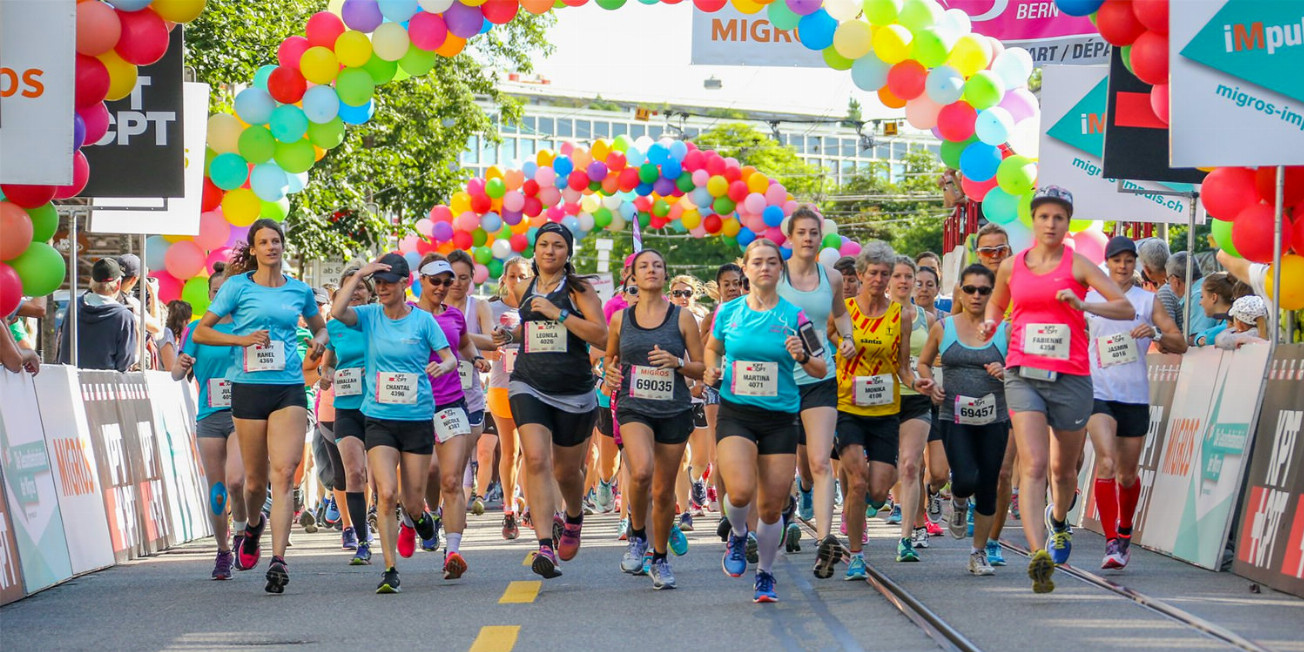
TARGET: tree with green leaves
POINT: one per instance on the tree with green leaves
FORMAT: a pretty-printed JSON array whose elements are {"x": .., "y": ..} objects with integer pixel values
[
  {"x": 907, "y": 214},
  {"x": 758, "y": 149}
]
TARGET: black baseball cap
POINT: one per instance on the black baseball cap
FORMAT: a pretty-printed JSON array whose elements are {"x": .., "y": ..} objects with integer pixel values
[
  {"x": 130, "y": 264},
  {"x": 398, "y": 269},
  {"x": 105, "y": 270},
  {"x": 1119, "y": 244}
]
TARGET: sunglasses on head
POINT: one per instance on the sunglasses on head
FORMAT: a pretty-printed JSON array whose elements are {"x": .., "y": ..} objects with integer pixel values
[
  {"x": 436, "y": 281},
  {"x": 983, "y": 290},
  {"x": 682, "y": 293},
  {"x": 632, "y": 289}
]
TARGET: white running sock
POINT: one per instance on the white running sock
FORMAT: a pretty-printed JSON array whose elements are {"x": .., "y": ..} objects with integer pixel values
[
  {"x": 453, "y": 541},
  {"x": 768, "y": 536},
  {"x": 737, "y": 516}
]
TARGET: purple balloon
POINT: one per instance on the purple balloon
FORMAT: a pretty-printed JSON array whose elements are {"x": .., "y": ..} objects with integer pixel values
[
  {"x": 78, "y": 131},
  {"x": 597, "y": 171},
  {"x": 1021, "y": 104},
  {"x": 239, "y": 235},
  {"x": 663, "y": 186},
  {"x": 362, "y": 15},
  {"x": 464, "y": 20},
  {"x": 804, "y": 7},
  {"x": 442, "y": 231},
  {"x": 512, "y": 218}
]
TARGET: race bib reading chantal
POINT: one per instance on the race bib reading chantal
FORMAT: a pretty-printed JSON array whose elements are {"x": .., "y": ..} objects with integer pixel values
[
  {"x": 755, "y": 379},
  {"x": 652, "y": 383},
  {"x": 872, "y": 391},
  {"x": 1116, "y": 349},
  {"x": 971, "y": 411},
  {"x": 450, "y": 423},
  {"x": 348, "y": 382},
  {"x": 1047, "y": 340},
  {"x": 265, "y": 358},
  {"x": 219, "y": 393},
  {"x": 395, "y": 388},
  {"x": 545, "y": 337}
]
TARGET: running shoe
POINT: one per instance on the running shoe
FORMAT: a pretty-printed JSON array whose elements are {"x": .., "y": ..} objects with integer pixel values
[
  {"x": 454, "y": 565},
  {"x": 308, "y": 521},
  {"x": 510, "y": 529},
  {"x": 894, "y": 517},
  {"x": 662, "y": 576},
  {"x": 968, "y": 521},
  {"x": 278, "y": 575},
  {"x": 332, "y": 512},
  {"x": 906, "y": 551},
  {"x": 1014, "y": 505},
  {"x": 837, "y": 494},
  {"x": 934, "y": 530},
  {"x": 1113, "y": 559},
  {"x": 934, "y": 507},
  {"x": 606, "y": 500},
  {"x": 1074, "y": 503},
  {"x": 712, "y": 500},
  {"x": 827, "y": 556},
  {"x": 407, "y": 540},
  {"x": 1058, "y": 542},
  {"x": 678, "y": 542},
  {"x": 1040, "y": 569},
  {"x": 237, "y": 542},
  {"x": 753, "y": 550},
  {"x": 349, "y": 539},
  {"x": 807, "y": 507},
  {"x": 624, "y": 530},
  {"x": 856, "y": 568},
  {"x": 686, "y": 522},
  {"x": 477, "y": 505},
  {"x": 735, "y": 556},
  {"x": 250, "y": 548},
  {"x": 632, "y": 562},
  {"x": 222, "y": 566},
  {"x": 428, "y": 526},
  {"x": 919, "y": 538},
  {"x": 568, "y": 544},
  {"x": 723, "y": 528},
  {"x": 764, "y": 588},
  {"x": 587, "y": 506},
  {"x": 495, "y": 493},
  {"x": 978, "y": 564},
  {"x": 995, "y": 556},
  {"x": 545, "y": 563},
  {"x": 363, "y": 556},
  {"x": 388, "y": 581},
  {"x": 526, "y": 519},
  {"x": 699, "y": 492},
  {"x": 1125, "y": 549},
  {"x": 372, "y": 521},
  {"x": 792, "y": 538},
  {"x": 558, "y": 524}
]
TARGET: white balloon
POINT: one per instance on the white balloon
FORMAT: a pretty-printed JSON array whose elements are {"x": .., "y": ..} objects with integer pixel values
[
  {"x": 1013, "y": 66},
  {"x": 828, "y": 256},
  {"x": 502, "y": 249},
  {"x": 955, "y": 22},
  {"x": 612, "y": 202},
  {"x": 830, "y": 227},
  {"x": 1025, "y": 140},
  {"x": 435, "y": 6},
  {"x": 842, "y": 9},
  {"x": 586, "y": 222}
]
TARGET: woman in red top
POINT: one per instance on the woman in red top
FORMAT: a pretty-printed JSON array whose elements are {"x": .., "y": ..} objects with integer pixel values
[{"x": 1048, "y": 373}]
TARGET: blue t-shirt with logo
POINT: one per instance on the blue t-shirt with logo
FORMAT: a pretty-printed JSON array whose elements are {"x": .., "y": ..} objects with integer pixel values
[
  {"x": 277, "y": 310},
  {"x": 350, "y": 348},
  {"x": 756, "y": 341},
  {"x": 211, "y": 363},
  {"x": 394, "y": 384}
]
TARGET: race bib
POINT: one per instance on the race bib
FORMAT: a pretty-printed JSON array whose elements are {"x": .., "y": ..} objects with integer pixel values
[
  {"x": 450, "y": 423},
  {"x": 971, "y": 411},
  {"x": 509, "y": 359},
  {"x": 348, "y": 382},
  {"x": 872, "y": 391},
  {"x": 545, "y": 337},
  {"x": 652, "y": 383},
  {"x": 395, "y": 388},
  {"x": 265, "y": 358},
  {"x": 219, "y": 393},
  {"x": 754, "y": 379},
  {"x": 1047, "y": 340},
  {"x": 1116, "y": 349},
  {"x": 937, "y": 376},
  {"x": 465, "y": 372}
]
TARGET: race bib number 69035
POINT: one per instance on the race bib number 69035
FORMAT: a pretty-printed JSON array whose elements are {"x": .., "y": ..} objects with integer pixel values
[{"x": 652, "y": 383}]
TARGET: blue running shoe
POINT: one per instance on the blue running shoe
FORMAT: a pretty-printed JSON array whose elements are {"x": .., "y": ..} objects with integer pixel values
[
  {"x": 735, "y": 556},
  {"x": 678, "y": 542},
  {"x": 764, "y": 588},
  {"x": 994, "y": 555},
  {"x": 349, "y": 539},
  {"x": 894, "y": 517},
  {"x": 1059, "y": 543},
  {"x": 856, "y": 568},
  {"x": 332, "y": 512},
  {"x": 968, "y": 520},
  {"x": 363, "y": 556},
  {"x": 806, "y": 509}
]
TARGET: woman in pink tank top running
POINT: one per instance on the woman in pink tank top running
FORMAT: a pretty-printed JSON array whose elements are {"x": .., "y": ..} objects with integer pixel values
[{"x": 1048, "y": 376}]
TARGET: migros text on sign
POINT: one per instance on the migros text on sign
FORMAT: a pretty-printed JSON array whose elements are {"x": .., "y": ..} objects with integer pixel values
[{"x": 21, "y": 82}]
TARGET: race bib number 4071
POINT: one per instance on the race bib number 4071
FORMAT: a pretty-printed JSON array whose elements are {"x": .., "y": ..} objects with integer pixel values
[{"x": 755, "y": 379}]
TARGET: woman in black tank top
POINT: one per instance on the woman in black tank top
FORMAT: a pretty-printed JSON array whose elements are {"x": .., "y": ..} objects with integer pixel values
[
  {"x": 646, "y": 366},
  {"x": 551, "y": 390}
]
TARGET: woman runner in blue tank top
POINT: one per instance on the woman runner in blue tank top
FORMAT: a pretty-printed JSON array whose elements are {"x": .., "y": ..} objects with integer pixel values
[
  {"x": 817, "y": 290},
  {"x": 551, "y": 390}
]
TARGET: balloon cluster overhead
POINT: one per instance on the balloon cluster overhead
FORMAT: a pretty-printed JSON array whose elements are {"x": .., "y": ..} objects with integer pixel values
[{"x": 113, "y": 40}]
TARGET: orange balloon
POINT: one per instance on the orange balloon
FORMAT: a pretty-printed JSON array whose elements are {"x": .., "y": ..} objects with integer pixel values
[
  {"x": 452, "y": 46},
  {"x": 537, "y": 7},
  {"x": 889, "y": 100}
]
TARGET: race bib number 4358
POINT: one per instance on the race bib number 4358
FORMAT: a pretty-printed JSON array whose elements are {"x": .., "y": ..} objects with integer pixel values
[{"x": 1047, "y": 340}]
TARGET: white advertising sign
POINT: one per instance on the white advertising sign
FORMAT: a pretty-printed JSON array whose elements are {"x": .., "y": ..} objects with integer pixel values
[
  {"x": 729, "y": 37},
  {"x": 1236, "y": 92},
  {"x": 37, "y": 62},
  {"x": 1073, "y": 105}
]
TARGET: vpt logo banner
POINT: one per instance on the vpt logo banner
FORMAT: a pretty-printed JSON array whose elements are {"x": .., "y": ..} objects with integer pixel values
[
  {"x": 1074, "y": 114},
  {"x": 1237, "y": 95}
]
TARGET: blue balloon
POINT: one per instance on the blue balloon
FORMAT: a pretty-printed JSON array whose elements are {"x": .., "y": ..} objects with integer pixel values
[
  {"x": 785, "y": 250},
  {"x": 491, "y": 222},
  {"x": 563, "y": 166},
  {"x": 643, "y": 189},
  {"x": 657, "y": 154},
  {"x": 628, "y": 211},
  {"x": 268, "y": 182},
  {"x": 635, "y": 157},
  {"x": 745, "y": 237},
  {"x": 398, "y": 11},
  {"x": 571, "y": 222},
  {"x": 678, "y": 150},
  {"x": 254, "y": 106},
  {"x": 228, "y": 171},
  {"x": 701, "y": 197},
  {"x": 356, "y": 115},
  {"x": 321, "y": 104},
  {"x": 297, "y": 182},
  {"x": 530, "y": 169},
  {"x": 1079, "y": 7},
  {"x": 773, "y": 215},
  {"x": 131, "y": 5},
  {"x": 869, "y": 73},
  {"x": 979, "y": 161},
  {"x": 262, "y": 74},
  {"x": 671, "y": 169},
  {"x": 413, "y": 260},
  {"x": 156, "y": 248},
  {"x": 816, "y": 29}
]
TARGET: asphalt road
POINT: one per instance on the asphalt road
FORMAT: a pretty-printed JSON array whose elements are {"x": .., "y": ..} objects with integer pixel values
[{"x": 169, "y": 602}]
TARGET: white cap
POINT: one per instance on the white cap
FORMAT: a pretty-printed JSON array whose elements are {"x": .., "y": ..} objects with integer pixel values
[{"x": 436, "y": 267}]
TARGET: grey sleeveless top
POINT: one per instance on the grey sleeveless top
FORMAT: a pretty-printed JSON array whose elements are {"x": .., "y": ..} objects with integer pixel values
[
  {"x": 965, "y": 370},
  {"x": 647, "y": 391}
]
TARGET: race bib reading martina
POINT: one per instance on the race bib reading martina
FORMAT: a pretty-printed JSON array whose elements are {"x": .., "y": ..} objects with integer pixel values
[{"x": 755, "y": 379}]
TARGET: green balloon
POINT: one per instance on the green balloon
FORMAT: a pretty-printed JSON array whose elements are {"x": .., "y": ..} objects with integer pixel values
[
  {"x": 781, "y": 16},
  {"x": 1000, "y": 207},
  {"x": 484, "y": 255},
  {"x": 1025, "y": 207},
  {"x": 1126, "y": 53},
  {"x": 836, "y": 61},
  {"x": 644, "y": 219},
  {"x": 832, "y": 240},
  {"x": 495, "y": 188},
  {"x": 984, "y": 90},
  {"x": 355, "y": 86},
  {"x": 602, "y": 217},
  {"x": 685, "y": 182},
  {"x": 723, "y": 206},
  {"x": 660, "y": 208},
  {"x": 295, "y": 157},
  {"x": 622, "y": 143},
  {"x": 882, "y": 12},
  {"x": 951, "y": 151},
  {"x": 648, "y": 172},
  {"x": 195, "y": 293},
  {"x": 45, "y": 221},
  {"x": 41, "y": 268},
  {"x": 1222, "y": 235},
  {"x": 595, "y": 186},
  {"x": 417, "y": 62},
  {"x": 257, "y": 144},
  {"x": 1016, "y": 175},
  {"x": 611, "y": 4},
  {"x": 527, "y": 253},
  {"x": 495, "y": 268},
  {"x": 327, "y": 135},
  {"x": 381, "y": 71},
  {"x": 918, "y": 14},
  {"x": 930, "y": 48},
  {"x": 275, "y": 210},
  {"x": 479, "y": 237}
]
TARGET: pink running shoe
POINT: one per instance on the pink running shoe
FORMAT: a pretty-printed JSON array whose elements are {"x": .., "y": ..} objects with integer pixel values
[{"x": 569, "y": 544}]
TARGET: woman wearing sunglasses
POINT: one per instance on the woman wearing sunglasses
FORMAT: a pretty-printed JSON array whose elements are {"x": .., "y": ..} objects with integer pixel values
[
  {"x": 729, "y": 285},
  {"x": 690, "y": 490},
  {"x": 973, "y": 416},
  {"x": 479, "y": 325}
]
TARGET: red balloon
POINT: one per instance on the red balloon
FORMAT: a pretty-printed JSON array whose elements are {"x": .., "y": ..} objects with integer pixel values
[
  {"x": 96, "y": 119},
  {"x": 627, "y": 179},
  {"x": 92, "y": 81},
  {"x": 713, "y": 223},
  {"x": 81, "y": 173},
  {"x": 710, "y": 6},
  {"x": 291, "y": 50},
  {"x": 27, "y": 196},
  {"x": 1152, "y": 13},
  {"x": 714, "y": 164},
  {"x": 481, "y": 203},
  {"x": 1252, "y": 233},
  {"x": 1227, "y": 191},
  {"x": 286, "y": 85},
  {"x": 616, "y": 162},
  {"x": 532, "y": 207},
  {"x": 577, "y": 180},
  {"x": 212, "y": 197},
  {"x": 738, "y": 191},
  {"x": 694, "y": 160},
  {"x": 1297, "y": 235},
  {"x": 956, "y": 121},
  {"x": 323, "y": 28},
  {"x": 144, "y": 37},
  {"x": 907, "y": 79},
  {"x": 530, "y": 188},
  {"x": 500, "y": 12},
  {"x": 1150, "y": 58},
  {"x": 1159, "y": 101},
  {"x": 519, "y": 242},
  {"x": 11, "y": 290},
  {"x": 463, "y": 240},
  {"x": 1265, "y": 181},
  {"x": 1117, "y": 23},
  {"x": 977, "y": 190}
]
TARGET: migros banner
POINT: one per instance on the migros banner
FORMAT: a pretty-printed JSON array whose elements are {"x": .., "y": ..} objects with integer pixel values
[{"x": 37, "y": 58}]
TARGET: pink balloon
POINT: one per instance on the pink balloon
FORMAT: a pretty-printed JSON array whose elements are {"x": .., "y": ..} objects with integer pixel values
[
  {"x": 1091, "y": 244},
  {"x": 219, "y": 255},
  {"x": 850, "y": 248},
  {"x": 700, "y": 177},
  {"x": 408, "y": 244},
  {"x": 169, "y": 288},
  {"x": 922, "y": 112},
  {"x": 11, "y": 290},
  {"x": 546, "y": 178},
  {"x": 214, "y": 231},
  {"x": 754, "y": 203},
  {"x": 549, "y": 196},
  {"x": 81, "y": 174},
  {"x": 776, "y": 194},
  {"x": 513, "y": 201},
  {"x": 789, "y": 206},
  {"x": 441, "y": 213},
  {"x": 481, "y": 274},
  {"x": 1021, "y": 104},
  {"x": 423, "y": 226},
  {"x": 96, "y": 117},
  {"x": 184, "y": 259},
  {"x": 776, "y": 234}
]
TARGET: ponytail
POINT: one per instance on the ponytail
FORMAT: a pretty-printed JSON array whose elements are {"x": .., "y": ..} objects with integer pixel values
[{"x": 244, "y": 260}]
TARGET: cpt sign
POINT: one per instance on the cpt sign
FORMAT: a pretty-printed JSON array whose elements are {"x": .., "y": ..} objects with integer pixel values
[{"x": 136, "y": 122}]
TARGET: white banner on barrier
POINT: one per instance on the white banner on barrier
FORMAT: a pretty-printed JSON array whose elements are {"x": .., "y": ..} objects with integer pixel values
[
  {"x": 76, "y": 477},
  {"x": 174, "y": 421}
]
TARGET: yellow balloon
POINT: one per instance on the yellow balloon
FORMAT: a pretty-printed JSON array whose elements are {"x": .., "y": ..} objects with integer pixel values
[
  {"x": 353, "y": 48},
  {"x": 459, "y": 203},
  {"x": 731, "y": 227},
  {"x": 224, "y": 133},
  {"x": 1292, "y": 278},
  {"x": 241, "y": 206},
  {"x": 494, "y": 172},
  {"x": 758, "y": 182},
  {"x": 747, "y": 6},
  {"x": 892, "y": 43},
  {"x": 122, "y": 75},
  {"x": 178, "y": 238},
  {"x": 178, "y": 11},
  {"x": 544, "y": 158},
  {"x": 852, "y": 39},
  {"x": 390, "y": 41},
  {"x": 691, "y": 219},
  {"x": 590, "y": 203},
  {"x": 970, "y": 54},
  {"x": 472, "y": 3},
  {"x": 319, "y": 65},
  {"x": 601, "y": 149}
]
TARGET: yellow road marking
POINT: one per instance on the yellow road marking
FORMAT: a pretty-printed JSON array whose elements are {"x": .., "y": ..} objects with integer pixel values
[
  {"x": 521, "y": 592},
  {"x": 529, "y": 558},
  {"x": 496, "y": 638}
]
